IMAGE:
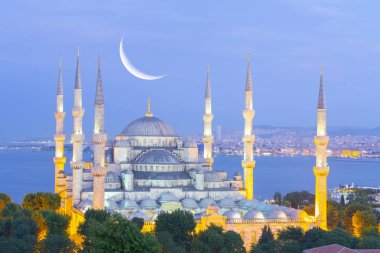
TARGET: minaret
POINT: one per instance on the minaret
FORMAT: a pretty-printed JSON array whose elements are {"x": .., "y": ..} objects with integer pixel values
[
  {"x": 99, "y": 139},
  {"x": 207, "y": 118},
  {"x": 248, "y": 139},
  {"x": 77, "y": 138},
  {"x": 59, "y": 138},
  {"x": 321, "y": 169}
]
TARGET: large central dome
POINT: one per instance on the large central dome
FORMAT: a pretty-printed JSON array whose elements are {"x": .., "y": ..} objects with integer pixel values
[{"x": 148, "y": 126}]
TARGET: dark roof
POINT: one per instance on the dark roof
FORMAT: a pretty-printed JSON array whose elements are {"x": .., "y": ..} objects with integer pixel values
[{"x": 336, "y": 248}]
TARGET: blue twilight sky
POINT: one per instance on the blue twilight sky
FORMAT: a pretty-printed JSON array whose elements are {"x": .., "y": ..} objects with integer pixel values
[{"x": 288, "y": 41}]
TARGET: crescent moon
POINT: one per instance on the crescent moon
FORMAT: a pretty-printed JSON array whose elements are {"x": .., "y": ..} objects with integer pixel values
[{"x": 131, "y": 69}]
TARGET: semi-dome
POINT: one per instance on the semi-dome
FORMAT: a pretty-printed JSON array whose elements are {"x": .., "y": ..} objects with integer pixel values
[
  {"x": 148, "y": 204},
  {"x": 227, "y": 203},
  {"x": 111, "y": 177},
  {"x": 148, "y": 126},
  {"x": 167, "y": 196},
  {"x": 232, "y": 214},
  {"x": 254, "y": 214},
  {"x": 85, "y": 204},
  {"x": 128, "y": 204},
  {"x": 277, "y": 214},
  {"x": 157, "y": 157},
  {"x": 189, "y": 203},
  {"x": 110, "y": 204},
  {"x": 204, "y": 203}
]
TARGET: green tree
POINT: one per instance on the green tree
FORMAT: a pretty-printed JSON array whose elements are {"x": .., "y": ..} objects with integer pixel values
[
  {"x": 349, "y": 211},
  {"x": 180, "y": 224},
  {"x": 334, "y": 215},
  {"x": 362, "y": 220},
  {"x": 139, "y": 222},
  {"x": 300, "y": 199},
  {"x": 4, "y": 200},
  {"x": 213, "y": 240},
  {"x": 291, "y": 233},
  {"x": 370, "y": 242},
  {"x": 287, "y": 246},
  {"x": 342, "y": 201},
  {"x": 18, "y": 230},
  {"x": 266, "y": 241},
  {"x": 277, "y": 198},
  {"x": 116, "y": 234},
  {"x": 313, "y": 238},
  {"x": 41, "y": 201}
]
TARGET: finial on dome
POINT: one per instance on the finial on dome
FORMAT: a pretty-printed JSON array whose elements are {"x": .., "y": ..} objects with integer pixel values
[{"x": 148, "y": 113}]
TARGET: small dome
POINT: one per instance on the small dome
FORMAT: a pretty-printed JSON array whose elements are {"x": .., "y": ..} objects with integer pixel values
[
  {"x": 158, "y": 157},
  {"x": 167, "y": 196},
  {"x": 277, "y": 214},
  {"x": 254, "y": 214},
  {"x": 85, "y": 204},
  {"x": 189, "y": 203},
  {"x": 237, "y": 174},
  {"x": 204, "y": 203},
  {"x": 148, "y": 126},
  {"x": 227, "y": 203},
  {"x": 248, "y": 204},
  {"x": 137, "y": 214},
  {"x": 148, "y": 204},
  {"x": 297, "y": 214},
  {"x": 110, "y": 204},
  {"x": 232, "y": 214},
  {"x": 111, "y": 177},
  {"x": 128, "y": 204}
]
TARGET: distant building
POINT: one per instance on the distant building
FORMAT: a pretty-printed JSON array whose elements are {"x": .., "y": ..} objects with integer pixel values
[
  {"x": 218, "y": 134},
  {"x": 154, "y": 170}
]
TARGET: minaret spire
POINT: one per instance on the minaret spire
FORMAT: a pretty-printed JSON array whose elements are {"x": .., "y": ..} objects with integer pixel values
[
  {"x": 99, "y": 97},
  {"x": 78, "y": 81},
  {"x": 99, "y": 139},
  {"x": 321, "y": 97},
  {"x": 59, "y": 138},
  {"x": 207, "y": 119},
  {"x": 248, "y": 139},
  {"x": 148, "y": 112},
  {"x": 321, "y": 168},
  {"x": 77, "y": 138}
]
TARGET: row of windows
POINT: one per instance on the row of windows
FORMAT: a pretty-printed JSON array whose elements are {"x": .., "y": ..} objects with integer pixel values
[
  {"x": 163, "y": 183},
  {"x": 165, "y": 168}
]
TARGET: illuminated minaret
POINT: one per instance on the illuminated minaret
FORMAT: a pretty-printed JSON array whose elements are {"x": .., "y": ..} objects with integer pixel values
[
  {"x": 99, "y": 139},
  {"x": 248, "y": 139},
  {"x": 321, "y": 169},
  {"x": 207, "y": 118},
  {"x": 59, "y": 137},
  {"x": 77, "y": 137}
]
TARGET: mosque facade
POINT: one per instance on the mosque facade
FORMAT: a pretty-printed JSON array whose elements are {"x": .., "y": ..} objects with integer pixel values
[{"x": 152, "y": 169}]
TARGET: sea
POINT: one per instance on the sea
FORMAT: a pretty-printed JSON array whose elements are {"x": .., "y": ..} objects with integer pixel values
[{"x": 27, "y": 171}]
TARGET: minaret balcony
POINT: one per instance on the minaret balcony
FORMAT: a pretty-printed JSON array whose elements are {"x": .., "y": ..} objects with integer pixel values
[
  {"x": 77, "y": 112},
  {"x": 248, "y": 114},
  {"x": 207, "y": 117},
  {"x": 59, "y": 137},
  {"x": 248, "y": 139},
  {"x": 59, "y": 115},
  {"x": 321, "y": 140},
  {"x": 99, "y": 138},
  {"x": 321, "y": 171},
  {"x": 59, "y": 160},
  {"x": 99, "y": 171},
  {"x": 77, "y": 137},
  {"x": 248, "y": 164},
  {"x": 77, "y": 165},
  {"x": 208, "y": 139}
]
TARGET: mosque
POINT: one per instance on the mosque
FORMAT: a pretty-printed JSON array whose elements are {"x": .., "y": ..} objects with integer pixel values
[{"x": 152, "y": 169}]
